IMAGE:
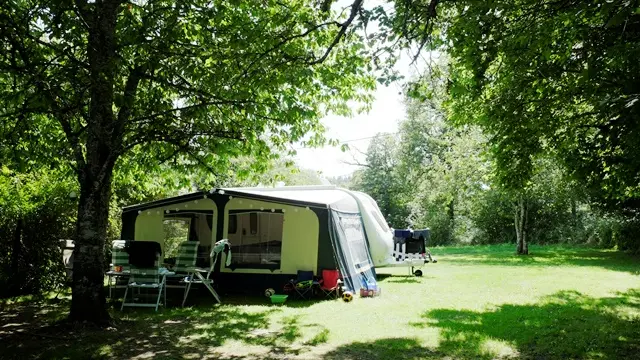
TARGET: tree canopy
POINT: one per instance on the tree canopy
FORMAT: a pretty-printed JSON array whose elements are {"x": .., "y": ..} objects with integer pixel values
[
  {"x": 109, "y": 84},
  {"x": 543, "y": 77}
]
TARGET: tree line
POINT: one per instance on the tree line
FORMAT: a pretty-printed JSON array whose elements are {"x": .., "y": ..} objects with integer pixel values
[{"x": 433, "y": 174}]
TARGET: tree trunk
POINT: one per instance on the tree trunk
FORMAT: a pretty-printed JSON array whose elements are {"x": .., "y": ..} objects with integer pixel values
[
  {"x": 16, "y": 249},
  {"x": 520, "y": 221},
  {"x": 452, "y": 218},
  {"x": 103, "y": 143},
  {"x": 574, "y": 219},
  {"x": 88, "y": 301},
  {"x": 525, "y": 227}
]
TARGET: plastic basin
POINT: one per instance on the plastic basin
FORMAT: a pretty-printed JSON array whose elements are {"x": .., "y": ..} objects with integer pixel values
[{"x": 278, "y": 299}]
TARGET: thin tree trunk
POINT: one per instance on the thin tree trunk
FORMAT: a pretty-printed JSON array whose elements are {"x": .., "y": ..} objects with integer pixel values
[
  {"x": 517, "y": 224},
  {"x": 520, "y": 221},
  {"x": 525, "y": 227},
  {"x": 16, "y": 249},
  {"x": 452, "y": 224},
  {"x": 574, "y": 219}
]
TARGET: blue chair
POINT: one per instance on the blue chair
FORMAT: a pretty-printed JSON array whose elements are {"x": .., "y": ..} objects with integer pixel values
[{"x": 304, "y": 284}]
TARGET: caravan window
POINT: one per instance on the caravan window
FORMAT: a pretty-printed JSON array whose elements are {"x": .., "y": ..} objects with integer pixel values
[
  {"x": 176, "y": 231},
  {"x": 233, "y": 224},
  {"x": 257, "y": 241},
  {"x": 188, "y": 225}
]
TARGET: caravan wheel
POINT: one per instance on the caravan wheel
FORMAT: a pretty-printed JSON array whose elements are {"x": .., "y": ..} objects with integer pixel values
[{"x": 417, "y": 273}]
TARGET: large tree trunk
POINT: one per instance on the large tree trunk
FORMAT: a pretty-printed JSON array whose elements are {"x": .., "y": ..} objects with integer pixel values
[
  {"x": 88, "y": 297},
  {"x": 520, "y": 221},
  {"x": 103, "y": 143}
]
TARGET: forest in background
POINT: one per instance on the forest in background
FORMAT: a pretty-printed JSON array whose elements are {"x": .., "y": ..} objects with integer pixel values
[{"x": 432, "y": 174}]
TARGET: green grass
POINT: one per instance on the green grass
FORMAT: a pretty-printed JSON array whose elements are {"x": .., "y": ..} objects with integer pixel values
[{"x": 475, "y": 303}]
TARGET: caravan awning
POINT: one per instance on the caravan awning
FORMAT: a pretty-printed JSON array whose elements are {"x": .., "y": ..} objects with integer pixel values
[
  {"x": 322, "y": 196},
  {"x": 312, "y": 196}
]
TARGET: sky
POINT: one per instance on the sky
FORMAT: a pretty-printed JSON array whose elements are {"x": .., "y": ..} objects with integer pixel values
[
  {"x": 386, "y": 112},
  {"x": 357, "y": 131}
]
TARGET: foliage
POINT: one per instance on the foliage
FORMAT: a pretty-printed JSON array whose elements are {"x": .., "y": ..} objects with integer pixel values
[
  {"x": 344, "y": 181},
  {"x": 197, "y": 73},
  {"x": 275, "y": 170},
  {"x": 555, "y": 78},
  {"x": 36, "y": 211},
  {"x": 383, "y": 179},
  {"x": 442, "y": 177}
]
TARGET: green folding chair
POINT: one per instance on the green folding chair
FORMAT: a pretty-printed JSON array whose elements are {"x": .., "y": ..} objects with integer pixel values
[
  {"x": 145, "y": 279},
  {"x": 197, "y": 277},
  {"x": 184, "y": 266}
]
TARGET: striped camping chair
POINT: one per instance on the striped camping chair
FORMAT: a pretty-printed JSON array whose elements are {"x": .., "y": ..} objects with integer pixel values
[
  {"x": 145, "y": 278},
  {"x": 185, "y": 265},
  {"x": 119, "y": 257},
  {"x": 186, "y": 259}
]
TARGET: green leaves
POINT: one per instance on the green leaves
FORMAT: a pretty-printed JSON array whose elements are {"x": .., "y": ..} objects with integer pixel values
[
  {"x": 544, "y": 78},
  {"x": 212, "y": 78}
]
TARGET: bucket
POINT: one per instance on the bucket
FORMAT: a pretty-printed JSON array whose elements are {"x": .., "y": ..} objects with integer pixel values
[{"x": 278, "y": 299}]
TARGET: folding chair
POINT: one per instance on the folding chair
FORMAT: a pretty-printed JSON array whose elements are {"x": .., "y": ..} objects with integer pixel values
[
  {"x": 330, "y": 284},
  {"x": 145, "y": 278},
  {"x": 119, "y": 258},
  {"x": 184, "y": 266},
  {"x": 196, "y": 277},
  {"x": 304, "y": 283}
]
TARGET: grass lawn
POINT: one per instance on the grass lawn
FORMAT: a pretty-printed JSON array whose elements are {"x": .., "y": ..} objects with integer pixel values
[{"x": 475, "y": 303}]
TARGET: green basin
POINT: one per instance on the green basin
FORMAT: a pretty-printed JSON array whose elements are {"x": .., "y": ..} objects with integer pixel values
[{"x": 278, "y": 299}]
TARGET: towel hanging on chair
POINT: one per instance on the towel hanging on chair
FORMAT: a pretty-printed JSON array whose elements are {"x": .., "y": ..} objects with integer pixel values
[{"x": 221, "y": 246}]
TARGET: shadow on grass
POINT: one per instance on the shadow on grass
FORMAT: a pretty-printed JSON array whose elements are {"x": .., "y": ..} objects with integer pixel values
[
  {"x": 391, "y": 348},
  {"x": 404, "y": 280},
  {"x": 567, "y": 325},
  {"x": 143, "y": 333},
  {"x": 201, "y": 298},
  {"x": 503, "y": 255}
]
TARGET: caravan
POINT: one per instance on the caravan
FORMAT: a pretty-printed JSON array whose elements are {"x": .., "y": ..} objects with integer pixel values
[{"x": 274, "y": 232}]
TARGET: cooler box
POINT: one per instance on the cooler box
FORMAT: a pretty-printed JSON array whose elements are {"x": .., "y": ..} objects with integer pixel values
[{"x": 402, "y": 233}]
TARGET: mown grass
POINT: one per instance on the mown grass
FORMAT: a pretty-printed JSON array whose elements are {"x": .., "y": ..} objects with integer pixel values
[{"x": 475, "y": 303}]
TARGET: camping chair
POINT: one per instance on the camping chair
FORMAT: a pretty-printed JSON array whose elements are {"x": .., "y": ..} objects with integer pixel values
[
  {"x": 145, "y": 278},
  {"x": 119, "y": 258},
  {"x": 330, "y": 284},
  {"x": 196, "y": 277},
  {"x": 185, "y": 263},
  {"x": 304, "y": 284}
]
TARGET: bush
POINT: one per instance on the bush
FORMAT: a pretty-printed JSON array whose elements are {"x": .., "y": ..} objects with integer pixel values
[
  {"x": 493, "y": 219},
  {"x": 37, "y": 212}
]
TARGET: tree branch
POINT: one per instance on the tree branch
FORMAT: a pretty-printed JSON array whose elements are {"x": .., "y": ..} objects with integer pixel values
[{"x": 355, "y": 8}]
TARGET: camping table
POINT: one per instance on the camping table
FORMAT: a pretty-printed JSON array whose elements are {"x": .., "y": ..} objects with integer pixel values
[
  {"x": 123, "y": 274},
  {"x": 116, "y": 274}
]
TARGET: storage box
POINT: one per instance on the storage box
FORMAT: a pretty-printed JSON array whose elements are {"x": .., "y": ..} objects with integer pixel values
[{"x": 371, "y": 292}]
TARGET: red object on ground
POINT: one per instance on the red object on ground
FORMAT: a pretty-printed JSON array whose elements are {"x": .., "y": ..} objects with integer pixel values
[{"x": 329, "y": 279}]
